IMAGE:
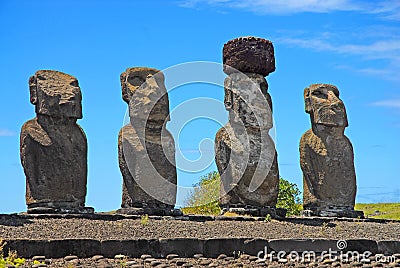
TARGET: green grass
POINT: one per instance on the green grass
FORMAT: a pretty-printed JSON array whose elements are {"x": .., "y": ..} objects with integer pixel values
[
  {"x": 380, "y": 210},
  {"x": 207, "y": 209}
]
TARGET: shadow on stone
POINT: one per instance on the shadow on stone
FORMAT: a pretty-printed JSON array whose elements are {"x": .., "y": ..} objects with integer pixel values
[
  {"x": 13, "y": 220},
  {"x": 311, "y": 222}
]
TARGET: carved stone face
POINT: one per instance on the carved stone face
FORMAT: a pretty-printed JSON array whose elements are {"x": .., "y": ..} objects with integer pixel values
[
  {"x": 247, "y": 100},
  {"x": 144, "y": 90},
  {"x": 322, "y": 102},
  {"x": 56, "y": 94},
  {"x": 133, "y": 78}
]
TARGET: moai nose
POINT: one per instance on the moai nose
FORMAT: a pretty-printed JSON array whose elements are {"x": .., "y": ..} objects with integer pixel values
[{"x": 332, "y": 97}]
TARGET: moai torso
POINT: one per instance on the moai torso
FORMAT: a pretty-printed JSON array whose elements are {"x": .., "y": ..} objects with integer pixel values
[
  {"x": 53, "y": 146},
  {"x": 245, "y": 152},
  {"x": 326, "y": 154},
  {"x": 134, "y": 155},
  {"x": 146, "y": 149}
]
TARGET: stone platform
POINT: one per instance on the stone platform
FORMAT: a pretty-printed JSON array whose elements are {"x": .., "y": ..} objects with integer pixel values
[
  {"x": 334, "y": 212},
  {"x": 150, "y": 211},
  {"x": 188, "y": 247},
  {"x": 87, "y": 235},
  {"x": 51, "y": 210},
  {"x": 275, "y": 213}
]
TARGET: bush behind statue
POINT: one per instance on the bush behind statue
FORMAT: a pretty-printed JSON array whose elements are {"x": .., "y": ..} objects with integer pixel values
[
  {"x": 203, "y": 199},
  {"x": 289, "y": 197}
]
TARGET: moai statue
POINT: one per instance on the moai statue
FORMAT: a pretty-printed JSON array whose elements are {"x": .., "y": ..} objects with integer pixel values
[
  {"x": 53, "y": 146},
  {"x": 146, "y": 149},
  {"x": 326, "y": 156},
  {"x": 245, "y": 152}
]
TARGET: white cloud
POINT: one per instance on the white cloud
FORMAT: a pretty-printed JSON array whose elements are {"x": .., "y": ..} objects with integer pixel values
[
  {"x": 6, "y": 132},
  {"x": 196, "y": 3},
  {"x": 294, "y": 6},
  {"x": 316, "y": 44},
  {"x": 383, "y": 73},
  {"x": 388, "y": 103},
  {"x": 387, "y": 50},
  {"x": 378, "y": 50},
  {"x": 378, "y": 45},
  {"x": 386, "y": 9}
]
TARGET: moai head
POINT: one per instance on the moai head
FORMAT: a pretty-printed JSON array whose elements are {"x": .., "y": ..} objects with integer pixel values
[
  {"x": 55, "y": 94},
  {"x": 247, "y": 60},
  {"x": 247, "y": 100},
  {"x": 144, "y": 90},
  {"x": 325, "y": 107}
]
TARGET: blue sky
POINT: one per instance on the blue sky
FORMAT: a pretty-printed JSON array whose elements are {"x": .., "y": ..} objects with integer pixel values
[{"x": 354, "y": 45}]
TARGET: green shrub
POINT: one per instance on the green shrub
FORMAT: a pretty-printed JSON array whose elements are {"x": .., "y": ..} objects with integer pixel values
[
  {"x": 11, "y": 259},
  {"x": 289, "y": 197},
  {"x": 203, "y": 199},
  {"x": 144, "y": 219}
]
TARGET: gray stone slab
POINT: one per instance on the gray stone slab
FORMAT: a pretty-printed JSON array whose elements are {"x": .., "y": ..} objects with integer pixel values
[
  {"x": 80, "y": 247},
  {"x": 388, "y": 247},
  {"x": 229, "y": 246},
  {"x": 28, "y": 248},
  {"x": 187, "y": 247},
  {"x": 184, "y": 247},
  {"x": 362, "y": 245},
  {"x": 301, "y": 245},
  {"x": 132, "y": 248},
  {"x": 254, "y": 246}
]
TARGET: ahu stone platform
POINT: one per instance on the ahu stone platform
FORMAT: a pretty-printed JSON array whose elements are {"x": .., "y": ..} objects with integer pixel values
[{"x": 87, "y": 235}]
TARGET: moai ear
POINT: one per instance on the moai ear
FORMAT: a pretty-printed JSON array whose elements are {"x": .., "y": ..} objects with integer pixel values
[
  {"x": 228, "y": 96},
  {"x": 307, "y": 100},
  {"x": 33, "y": 89},
  {"x": 228, "y": 99},
  {"x": 126, "y": 93}
]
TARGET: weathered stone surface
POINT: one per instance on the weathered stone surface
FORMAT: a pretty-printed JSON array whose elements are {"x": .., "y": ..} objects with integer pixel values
[
  {"x": 301, "y": 245},
  {"x": 326, "y": 154},
  {"x": 361, "y": 245},
  {"x": 146, "y": 148},
  {"x": 80, "y": 247},
  {"x": 216, "y": 246},
  {"x": 249, "y": 55},
  {"x": 155, "y": 211},
  {"x": 53, "y": 146},
  {"x": 148, "y": 249},
  {"x": 389, "y": 247},
  {"x": 253, "y": 246},
  {"x": 28, "y": 248},
  {"x": 179, "y": 247},
  {"x": 255, "y": 211},
  {"x": 70, "y": 257},
  {"x": 132, "y": 248},
  {"x": 245, "y": 152}
]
